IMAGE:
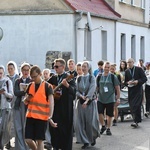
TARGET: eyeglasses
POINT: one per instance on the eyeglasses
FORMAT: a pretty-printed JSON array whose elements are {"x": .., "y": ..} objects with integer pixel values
[
  {"x": 25, "y": 70},
  {"x": 57, "y": 66},
  {"x": 34, "y": 77},
  {"x": 129, "y": 62}
]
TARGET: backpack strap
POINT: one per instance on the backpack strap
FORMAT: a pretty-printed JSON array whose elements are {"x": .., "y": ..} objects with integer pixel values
[
  {"x": 7, "y": 84},
  {"x": 79, "y": 79},
  {"x": 112, "y": 79},
  {"x": 46, "y": 88},
  {"x": 98, "y": 79}
]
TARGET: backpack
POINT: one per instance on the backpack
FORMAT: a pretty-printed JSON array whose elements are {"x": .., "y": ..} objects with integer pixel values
[{"x": 79, "y": 79}]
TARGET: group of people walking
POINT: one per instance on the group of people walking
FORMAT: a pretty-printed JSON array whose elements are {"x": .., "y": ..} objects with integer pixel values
[{"x": 39, "y": 105}]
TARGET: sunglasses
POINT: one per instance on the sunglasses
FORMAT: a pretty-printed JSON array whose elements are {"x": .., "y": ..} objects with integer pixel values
[{"x": 57, "y": 66}]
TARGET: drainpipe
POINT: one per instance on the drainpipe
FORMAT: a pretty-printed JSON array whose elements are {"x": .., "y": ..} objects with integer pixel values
[
  {"x": 115, "y": 50},
  {"x": 76, "y": 29}
]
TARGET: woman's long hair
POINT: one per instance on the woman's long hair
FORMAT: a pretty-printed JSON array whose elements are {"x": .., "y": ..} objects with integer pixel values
[{"x": 121, "y": 69}]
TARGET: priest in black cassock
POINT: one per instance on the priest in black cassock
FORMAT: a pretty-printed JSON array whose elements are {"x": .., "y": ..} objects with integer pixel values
[
  {"x": 135, "y": 78},
  {"x": 61, "y": 137}
]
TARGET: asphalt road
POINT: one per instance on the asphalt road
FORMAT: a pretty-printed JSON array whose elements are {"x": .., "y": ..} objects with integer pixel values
[{"x": 124, "y": 137}]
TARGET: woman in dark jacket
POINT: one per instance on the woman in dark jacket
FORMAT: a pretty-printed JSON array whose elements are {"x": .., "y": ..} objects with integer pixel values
[{"x": 19, "y": 106}]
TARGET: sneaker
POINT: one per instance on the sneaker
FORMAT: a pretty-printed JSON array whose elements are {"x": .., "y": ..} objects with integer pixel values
[
  {"x": 108, "y": 132},
  {"x": 102, "y": 129},
  {"x": 114, "y": 122},
  {"x": 135, "y": 125}
]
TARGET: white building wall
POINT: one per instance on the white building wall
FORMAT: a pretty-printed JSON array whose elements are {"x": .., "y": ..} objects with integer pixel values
[
  {"x": 109, "y": 26},
  {"x": 29, "y": 37},
  {"x": 132, "y": 30}
]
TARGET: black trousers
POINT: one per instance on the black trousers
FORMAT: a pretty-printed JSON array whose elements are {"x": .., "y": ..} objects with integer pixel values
[{"x": 147, "y": 96}]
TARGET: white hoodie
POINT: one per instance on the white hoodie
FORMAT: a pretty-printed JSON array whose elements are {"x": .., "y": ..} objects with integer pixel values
[{"x": 4, "y": 104}]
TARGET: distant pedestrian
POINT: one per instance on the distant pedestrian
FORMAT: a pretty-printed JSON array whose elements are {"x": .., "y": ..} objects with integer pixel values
[
  {"x": 147, "y": 89},
  {"x": 79, "y": 68},
  {"x": 100, "y": 68},
  {"x": 72, "y": 68},
  {"x": 113, "y": 71},
  {"x": 122, "y": 68},
  {"x": 46, "y": 74},
  {"x": 47, "y": 143},
  {"x": 141, "y": 64}
]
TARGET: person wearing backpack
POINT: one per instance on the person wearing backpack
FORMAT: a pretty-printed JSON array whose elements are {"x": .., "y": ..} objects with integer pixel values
[
  {"x": 87, "y": 123},
  {"x": 6, "y": 95},
  {"x": 40, "y": 105},
  {"x": 107, "y": 84}
]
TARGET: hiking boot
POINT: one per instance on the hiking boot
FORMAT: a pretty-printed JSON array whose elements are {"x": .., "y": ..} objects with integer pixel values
[
  {"x": 108, "y": 132},
  {"x": 102, "y": 129},
  {"x": 114, "y": 122}
]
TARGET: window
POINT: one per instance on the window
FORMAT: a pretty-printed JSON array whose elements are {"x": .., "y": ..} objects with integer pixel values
[
  {"x": 104, "y": 44},
  {"x": 132, "y": 2},
  {"x": 123, "y": 46},
  {"x": 133, "y": 47},
  {"x": 87, "y": 44},
  {"x": 142, "y": 3},
  {"x": 142, "y": 47}
]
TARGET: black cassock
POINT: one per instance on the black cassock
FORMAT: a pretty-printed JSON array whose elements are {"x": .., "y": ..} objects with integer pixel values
[
  {"x": 135, "y": 93},
  {"x": 62, "y": 136}
]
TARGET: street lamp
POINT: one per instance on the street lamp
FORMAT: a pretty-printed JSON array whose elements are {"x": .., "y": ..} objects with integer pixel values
[{"x": 1, "y": 33}]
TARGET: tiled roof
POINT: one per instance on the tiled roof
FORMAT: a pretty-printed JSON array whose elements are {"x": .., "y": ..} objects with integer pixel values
[{"x": 95, "y": 7}]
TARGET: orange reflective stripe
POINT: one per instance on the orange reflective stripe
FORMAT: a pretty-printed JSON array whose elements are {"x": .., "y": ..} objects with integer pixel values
[
  {"x": 38, "y": 112},
  {"x": 39, "y": 104}
]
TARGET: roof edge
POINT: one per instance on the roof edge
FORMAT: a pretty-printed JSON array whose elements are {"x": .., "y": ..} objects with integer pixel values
[
  {"x": 69, "y": 4},
  {"x": 100, "y": 16},
  {"x": 34, "y": 12},
  {"x": 111, "y": 9},
  {"x": 117, "y": 14}
]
